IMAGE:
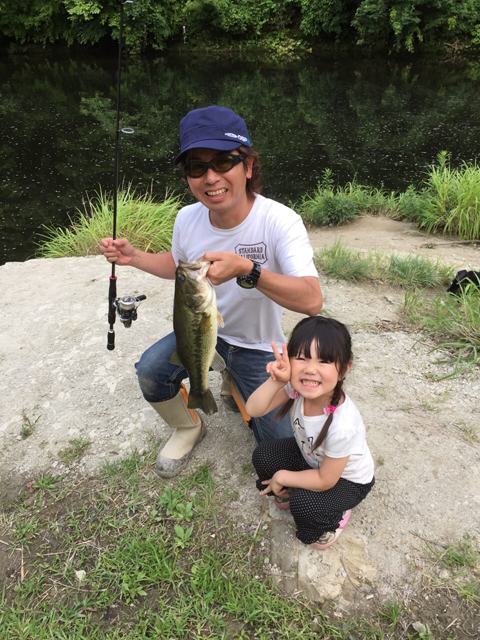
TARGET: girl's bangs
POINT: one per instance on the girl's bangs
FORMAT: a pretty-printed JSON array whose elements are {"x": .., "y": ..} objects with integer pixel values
[{"x": 330, "y": 345}]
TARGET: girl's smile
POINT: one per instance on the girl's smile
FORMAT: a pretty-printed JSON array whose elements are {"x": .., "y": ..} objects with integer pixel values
[{"x": 314, "y": 379}]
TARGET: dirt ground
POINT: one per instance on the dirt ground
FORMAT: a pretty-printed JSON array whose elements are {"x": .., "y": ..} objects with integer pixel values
[{"x": 57, "y": 375}]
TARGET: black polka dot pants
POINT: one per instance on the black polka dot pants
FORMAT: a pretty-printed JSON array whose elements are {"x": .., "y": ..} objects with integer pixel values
[{"x": 314, "y": 512}]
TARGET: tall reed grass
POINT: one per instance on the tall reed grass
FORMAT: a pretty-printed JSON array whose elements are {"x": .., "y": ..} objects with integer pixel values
[
  {"x": 148, "y": 225},
  {"x": 453, "y": 202}
]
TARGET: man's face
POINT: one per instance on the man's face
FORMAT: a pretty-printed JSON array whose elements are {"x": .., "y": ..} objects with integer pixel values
[{"x": 224, "y": 194}]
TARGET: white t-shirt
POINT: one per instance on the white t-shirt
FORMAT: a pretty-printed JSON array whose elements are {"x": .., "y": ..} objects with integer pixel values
[
  {"x": 274, "y": 236},
  {"x": 346, "y": 437}
]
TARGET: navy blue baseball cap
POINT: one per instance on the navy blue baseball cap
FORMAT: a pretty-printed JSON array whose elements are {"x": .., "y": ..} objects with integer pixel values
[{"x": 212, "y": 128}]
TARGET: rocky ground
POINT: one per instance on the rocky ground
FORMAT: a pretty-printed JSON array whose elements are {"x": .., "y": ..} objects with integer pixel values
[{"x": 58, "y": 377}]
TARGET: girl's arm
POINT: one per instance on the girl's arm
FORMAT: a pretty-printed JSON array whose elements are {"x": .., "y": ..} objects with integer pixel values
[
  {"x": 270, "y": 395},
  {"x": 312, "y": 479}
]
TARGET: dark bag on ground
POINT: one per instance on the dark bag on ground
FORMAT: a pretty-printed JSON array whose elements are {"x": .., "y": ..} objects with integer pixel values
[{"x": 462, "y": 279}]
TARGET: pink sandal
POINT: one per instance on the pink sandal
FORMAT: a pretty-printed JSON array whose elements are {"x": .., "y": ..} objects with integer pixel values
[
  {"x": 330, "y": 537},
  {"x": 281, "y": 503}
]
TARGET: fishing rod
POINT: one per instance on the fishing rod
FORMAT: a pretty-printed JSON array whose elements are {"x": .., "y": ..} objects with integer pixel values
[{"x": 126, "y": 307}]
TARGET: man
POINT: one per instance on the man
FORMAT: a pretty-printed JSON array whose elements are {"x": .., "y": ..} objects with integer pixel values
[{"x": 261, "y": 262}]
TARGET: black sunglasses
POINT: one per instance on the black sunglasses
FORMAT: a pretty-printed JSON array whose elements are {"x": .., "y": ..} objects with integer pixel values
[{"x": 220, "y": 164}]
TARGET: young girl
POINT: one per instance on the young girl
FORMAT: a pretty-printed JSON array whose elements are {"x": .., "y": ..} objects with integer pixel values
[{"x": 326, "y": 469}]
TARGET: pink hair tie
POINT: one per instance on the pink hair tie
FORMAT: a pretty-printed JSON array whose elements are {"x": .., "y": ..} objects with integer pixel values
[
  {"x": 293, "y": 394},
  {"x": 329, "y": 409}
]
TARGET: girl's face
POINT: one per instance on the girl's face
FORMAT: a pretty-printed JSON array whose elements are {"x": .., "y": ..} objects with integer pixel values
[{"x": 313, "y": 378}]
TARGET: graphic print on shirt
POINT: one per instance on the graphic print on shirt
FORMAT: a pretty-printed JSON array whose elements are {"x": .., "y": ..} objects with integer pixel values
[
  {"x": 305, "y": 441},
  {"x": 255, "y": 251}
]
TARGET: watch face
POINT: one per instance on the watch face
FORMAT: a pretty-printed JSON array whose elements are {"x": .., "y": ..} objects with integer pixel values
[{"x": 246, "y": 282}]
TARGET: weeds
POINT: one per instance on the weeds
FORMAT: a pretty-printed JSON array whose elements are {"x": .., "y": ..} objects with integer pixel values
[
  {"x": 410, "y": 271},
  {"x": 146, "y": 223},
  {"x": 461, "y": 560},
  {"x": 468, "y": 433},
  {"x": 94, "y": 573},
  {"x": 453, "y": 322},
  {"x": 28, "y": 427},
  {"x": 335, "y": 205},
  {"x": 75, "y": 451},
  {"x": 447, "y": 201},
  {"x": 391, "y": 613},
  {"x": 416, "y": 272}
]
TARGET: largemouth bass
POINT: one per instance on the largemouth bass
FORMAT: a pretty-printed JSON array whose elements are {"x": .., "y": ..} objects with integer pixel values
[{"x": 195, "y": 322}]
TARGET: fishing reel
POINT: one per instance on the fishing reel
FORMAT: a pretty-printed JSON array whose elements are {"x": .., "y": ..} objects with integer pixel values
[{"x": 127, "y": 308}]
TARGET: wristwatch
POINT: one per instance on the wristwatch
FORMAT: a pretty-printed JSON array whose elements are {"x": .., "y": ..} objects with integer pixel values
[{"x": 250, "y": 281}]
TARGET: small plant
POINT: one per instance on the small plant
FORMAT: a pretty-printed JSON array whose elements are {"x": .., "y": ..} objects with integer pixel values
[
  {"x": 182, "y": 535},
  {"x": 411, "y": 304},
  {"x": 28, "y": 427},
  {"x": 132, "y": 586},
  {"x": 25, "y": 531},
  {"x": 172, "y": 502},
  {"x": 391, "y": 613},
  {"x": 463, "y": 554},
  {"x": 44, "y": 485},
  {"x": 77, "y": 449},
  {"x": 468, "y": 433}
]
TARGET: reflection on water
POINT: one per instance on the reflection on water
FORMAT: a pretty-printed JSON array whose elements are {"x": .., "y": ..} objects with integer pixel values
[{"x": 381, "y": 121}]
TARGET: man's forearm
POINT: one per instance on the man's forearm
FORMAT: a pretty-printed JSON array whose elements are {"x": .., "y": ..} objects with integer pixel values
[
  {"x": 302, "y": 295},
  {"x": 158, "y": 264}
]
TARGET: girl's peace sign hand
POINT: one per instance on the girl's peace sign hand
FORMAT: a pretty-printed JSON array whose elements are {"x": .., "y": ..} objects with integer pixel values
[{"x": 280, "y": 369}]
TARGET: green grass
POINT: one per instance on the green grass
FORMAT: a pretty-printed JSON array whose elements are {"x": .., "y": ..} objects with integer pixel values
[
  {"x": 453, "y": 323},
  {"x": 447, "y": 201},
  {"x": 335, "y": 205},
  {"x": 409, "y": 272},
  {"x": 125, "y": 556},
  {"x": 146, "y": 223},
  {"x": 462, "y": 561},
  {"x": 75, "y": 451},
  {"x": 453, "y": 202}
]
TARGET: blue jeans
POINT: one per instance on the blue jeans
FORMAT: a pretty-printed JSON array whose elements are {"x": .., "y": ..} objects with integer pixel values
[{"x": 160, "y": 380}]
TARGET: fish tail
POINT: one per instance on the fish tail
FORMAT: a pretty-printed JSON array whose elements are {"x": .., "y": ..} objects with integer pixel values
[{"x": 205, "y": 402}]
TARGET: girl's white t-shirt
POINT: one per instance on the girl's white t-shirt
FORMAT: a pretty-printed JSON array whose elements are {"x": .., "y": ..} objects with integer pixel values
[
  {"x": 272, "y": 235},
  {"x": 346, "y": 437}
]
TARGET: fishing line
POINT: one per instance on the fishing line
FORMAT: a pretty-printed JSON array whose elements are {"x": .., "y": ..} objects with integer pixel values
[{"x": 125, "y": 307}]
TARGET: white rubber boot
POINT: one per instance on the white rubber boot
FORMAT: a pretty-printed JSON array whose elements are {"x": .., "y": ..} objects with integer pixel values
[{"x": 189, "y": 429}]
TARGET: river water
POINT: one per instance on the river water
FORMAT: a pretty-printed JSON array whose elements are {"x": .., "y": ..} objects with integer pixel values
[{"x": 381, "y": 121}]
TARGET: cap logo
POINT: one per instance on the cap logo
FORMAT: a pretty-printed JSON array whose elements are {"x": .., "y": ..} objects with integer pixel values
[{"x": 234, "y": 135}]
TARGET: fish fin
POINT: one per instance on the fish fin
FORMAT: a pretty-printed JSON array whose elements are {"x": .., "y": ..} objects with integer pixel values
[
  {"x": 175, "y": 359},
  {"x": 218, "y": 363},
  {"x": 220, "y": 320},
  {"x": 205, "y": 402}
]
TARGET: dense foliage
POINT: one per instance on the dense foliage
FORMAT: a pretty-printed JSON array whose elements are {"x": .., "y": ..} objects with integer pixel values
[{"x": 153, "y": 24}]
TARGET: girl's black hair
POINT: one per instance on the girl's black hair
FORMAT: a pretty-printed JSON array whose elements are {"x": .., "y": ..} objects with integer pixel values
[{"x": 333, "y": 344}]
